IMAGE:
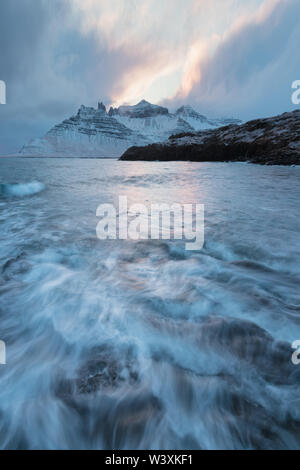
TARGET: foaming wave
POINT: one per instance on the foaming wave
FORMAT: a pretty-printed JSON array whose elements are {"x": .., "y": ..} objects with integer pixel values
[
  {"x": 143, "y": 345},
  {"x": 21, "y": 189}
]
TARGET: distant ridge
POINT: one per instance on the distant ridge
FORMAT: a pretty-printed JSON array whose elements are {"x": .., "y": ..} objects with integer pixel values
[{"x": 98, "y": 133}]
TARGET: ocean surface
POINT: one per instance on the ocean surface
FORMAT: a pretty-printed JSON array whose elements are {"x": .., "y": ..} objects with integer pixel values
[{"x": 142, "y": 344}]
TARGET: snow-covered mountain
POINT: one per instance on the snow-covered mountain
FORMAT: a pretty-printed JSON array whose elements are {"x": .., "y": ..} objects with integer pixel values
[{"x": 98, "y": 133}]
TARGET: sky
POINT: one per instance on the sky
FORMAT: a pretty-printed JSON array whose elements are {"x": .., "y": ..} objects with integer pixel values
[{"x": 232, "y": 58}]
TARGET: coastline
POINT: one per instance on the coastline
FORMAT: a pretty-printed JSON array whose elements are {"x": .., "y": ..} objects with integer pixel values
[{"x": 269, "y": 141}]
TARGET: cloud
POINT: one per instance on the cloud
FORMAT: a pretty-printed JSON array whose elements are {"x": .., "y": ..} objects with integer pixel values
[
  {"x": 28, "y": 33},
  {"x": 251, "y": 71},
  {"x": 51, "y": 66},
  {"x": 234, "y": 57},
  {"x": 159, "y": 37},
  {"x": 52, "y": 60}
]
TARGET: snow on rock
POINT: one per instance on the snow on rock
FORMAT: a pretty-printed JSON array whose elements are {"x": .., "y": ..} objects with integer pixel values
[
  {"x": 274, "y": 140},
  {"x": 96, "y": 133}
]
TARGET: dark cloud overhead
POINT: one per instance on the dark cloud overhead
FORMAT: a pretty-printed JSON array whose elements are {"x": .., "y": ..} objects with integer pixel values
[
  {"x": 251, "y": 72},
  {"x": 49, "y": 67}
]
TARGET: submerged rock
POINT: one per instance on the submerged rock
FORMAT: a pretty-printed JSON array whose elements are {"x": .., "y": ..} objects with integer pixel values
[{"x": 252, "y": 346}]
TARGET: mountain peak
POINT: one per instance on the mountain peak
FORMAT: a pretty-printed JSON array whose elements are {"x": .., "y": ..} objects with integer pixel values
[
  {"x": 95, "y": 132},
  {"x": 188, "y": 111},
  {"x": 143, "y": 109},
  {"x": 101, "y": 107},
  {"x": 144, "y": 102}
]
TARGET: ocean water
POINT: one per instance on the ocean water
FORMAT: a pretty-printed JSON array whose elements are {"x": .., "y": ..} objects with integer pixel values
[{"x": 144, "y": 345}]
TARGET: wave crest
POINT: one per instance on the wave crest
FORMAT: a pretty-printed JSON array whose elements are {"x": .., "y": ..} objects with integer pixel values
[{"x": 21, "y": 189}]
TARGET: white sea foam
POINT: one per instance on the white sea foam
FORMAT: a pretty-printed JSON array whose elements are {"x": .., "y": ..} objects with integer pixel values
[
  {"x": 21, "y": 189},
  {"x": 122, "y": 344}
]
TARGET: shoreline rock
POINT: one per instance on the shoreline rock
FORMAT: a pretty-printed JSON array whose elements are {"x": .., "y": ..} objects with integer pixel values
[{"x": 270, "y": 141}]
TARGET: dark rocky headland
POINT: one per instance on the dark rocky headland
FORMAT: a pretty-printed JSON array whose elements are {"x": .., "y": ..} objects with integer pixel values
[{"x": 271, "y": 141}]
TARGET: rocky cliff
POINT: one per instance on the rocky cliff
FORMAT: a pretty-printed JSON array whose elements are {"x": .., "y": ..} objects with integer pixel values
[{"x": 274, "y": 140}]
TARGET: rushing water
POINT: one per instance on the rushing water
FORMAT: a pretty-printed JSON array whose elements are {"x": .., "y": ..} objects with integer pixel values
[{"x": 144, "y": 345}]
